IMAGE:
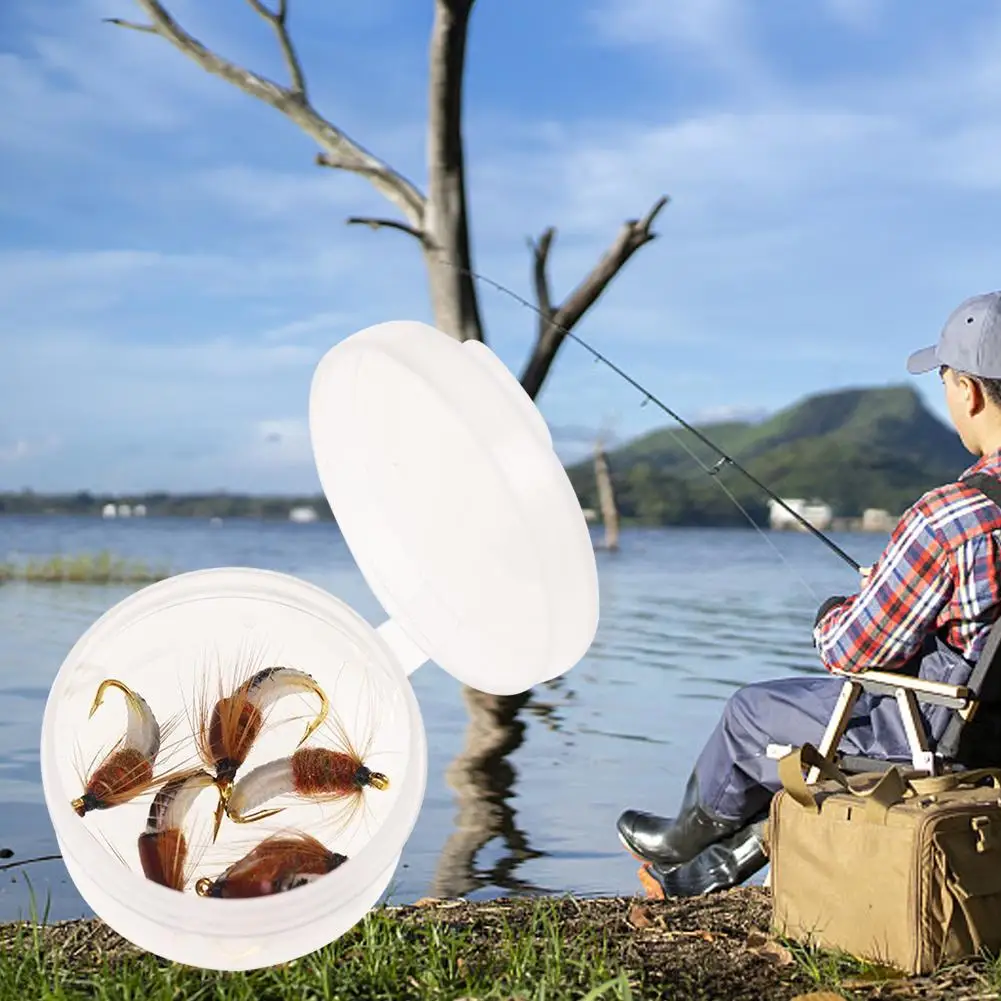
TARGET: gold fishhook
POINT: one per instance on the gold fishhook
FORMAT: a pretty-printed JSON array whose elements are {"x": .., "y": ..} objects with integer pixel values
[
  {"x": 113, "y": 683},
  {"x": 312, "y": 686}
]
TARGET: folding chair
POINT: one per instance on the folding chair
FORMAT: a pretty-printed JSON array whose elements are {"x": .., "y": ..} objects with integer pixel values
[{"x": 972, "y": 737}]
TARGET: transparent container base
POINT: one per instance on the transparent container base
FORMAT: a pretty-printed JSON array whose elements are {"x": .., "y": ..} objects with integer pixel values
[{"x": 179, "y": 646}]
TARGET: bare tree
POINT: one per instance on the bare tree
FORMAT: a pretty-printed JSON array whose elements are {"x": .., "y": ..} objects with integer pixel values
[{"x": 439, "y": 221}]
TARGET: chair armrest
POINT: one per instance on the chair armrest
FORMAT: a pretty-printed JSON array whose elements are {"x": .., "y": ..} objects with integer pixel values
[{"x": 887, "y": 683}]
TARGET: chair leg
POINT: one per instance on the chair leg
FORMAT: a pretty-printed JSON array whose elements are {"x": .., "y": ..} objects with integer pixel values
[
  {"x": 836, "y": 726},
  {"x": 921, "y": 757}
]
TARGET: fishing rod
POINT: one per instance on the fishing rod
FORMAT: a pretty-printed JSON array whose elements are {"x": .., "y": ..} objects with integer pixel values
[{"x": 648, "y": 397}]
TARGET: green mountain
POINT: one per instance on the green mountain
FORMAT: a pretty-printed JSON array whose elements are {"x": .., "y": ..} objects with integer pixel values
[{"x": 853, "y": 449}]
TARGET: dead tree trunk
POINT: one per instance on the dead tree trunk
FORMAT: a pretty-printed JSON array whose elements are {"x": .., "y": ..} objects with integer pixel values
[
  {"x": 439, "y": 222},
  {"x": 606, "y": 498},
  {"x": 447, "y": 253}
]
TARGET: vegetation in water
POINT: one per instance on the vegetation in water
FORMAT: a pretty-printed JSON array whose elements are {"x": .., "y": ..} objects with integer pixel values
[{"x": 99, "y": 568}]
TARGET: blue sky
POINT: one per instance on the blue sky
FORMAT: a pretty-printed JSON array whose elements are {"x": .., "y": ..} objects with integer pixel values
[{"x": 173, "y": 265}]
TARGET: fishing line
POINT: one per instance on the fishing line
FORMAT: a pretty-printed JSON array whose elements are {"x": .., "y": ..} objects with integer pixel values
[{"x": 711, "y": 471}]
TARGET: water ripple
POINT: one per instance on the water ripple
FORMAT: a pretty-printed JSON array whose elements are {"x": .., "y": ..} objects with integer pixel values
[{"x": 687, "y": 617}]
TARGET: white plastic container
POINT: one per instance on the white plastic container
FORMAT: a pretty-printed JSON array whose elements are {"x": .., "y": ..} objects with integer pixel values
[{"x": 443, "y": 479}]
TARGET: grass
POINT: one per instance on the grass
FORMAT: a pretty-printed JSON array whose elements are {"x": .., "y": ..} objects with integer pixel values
[
  {"x": 855, "y": 980},
  {"x": 389, "y": 955},
  {"x": 99, "y": 568},
  {"x": 544, "y": 949}
]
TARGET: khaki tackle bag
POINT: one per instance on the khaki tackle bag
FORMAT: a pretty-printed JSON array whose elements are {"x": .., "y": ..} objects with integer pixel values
[{"x": 890, "y": 867}]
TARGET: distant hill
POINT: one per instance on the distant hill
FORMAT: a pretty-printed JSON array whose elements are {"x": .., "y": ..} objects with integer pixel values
[{"x": 853, "y": 449}]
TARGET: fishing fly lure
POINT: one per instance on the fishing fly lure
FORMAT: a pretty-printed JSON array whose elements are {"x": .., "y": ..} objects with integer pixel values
[
  {"x": 312, "y": 774},
  {"x": 127, "y": 770},
  {"x": 317, "y": 774},
  {"x": 164, "y": 847},
  {"x": 226, "y": 734},
  {"x": 280, "y": 863}
]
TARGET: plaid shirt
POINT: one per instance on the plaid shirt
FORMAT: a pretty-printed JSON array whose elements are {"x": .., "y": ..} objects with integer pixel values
[{"x": 940, "y": 573}]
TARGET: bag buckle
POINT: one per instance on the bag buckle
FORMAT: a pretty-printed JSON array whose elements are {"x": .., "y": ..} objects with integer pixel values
[{"x": 981, "y": 827}]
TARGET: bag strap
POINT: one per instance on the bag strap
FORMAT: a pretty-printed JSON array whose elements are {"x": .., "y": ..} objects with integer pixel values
[
  {"x": 955, "y": 780},
  {"x": 983, "y": 680},
  {"x": 892, "y": 787},
  {"x": 791, "y": 767},
  {"x": 888, "y": 790},
  {"x": 989, "y": 486}
]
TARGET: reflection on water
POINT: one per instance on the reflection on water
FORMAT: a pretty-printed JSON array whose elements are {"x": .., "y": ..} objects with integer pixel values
[
  {"x": 522, "y": 793},
  {"x": 483, "y": 779}
]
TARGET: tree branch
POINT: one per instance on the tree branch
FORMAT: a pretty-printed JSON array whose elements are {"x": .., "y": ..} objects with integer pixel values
[
  {"x": 149, "y": 29},
  {"x": 386, "y": 224},
  {"x": 634, "y": 234},
  {"x": 540, "y": 252},
  {"x": 277, "y": 21},
  {"x": 290, "y": 101}
]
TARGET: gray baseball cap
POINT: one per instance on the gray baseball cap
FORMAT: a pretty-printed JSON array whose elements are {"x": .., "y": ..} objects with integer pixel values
[{"x": 970, "y": 341}]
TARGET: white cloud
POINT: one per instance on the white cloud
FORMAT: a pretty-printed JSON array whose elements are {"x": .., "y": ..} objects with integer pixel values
[
  {"x": 146, "y": 290},
  {"x": 730, "y": 412},
  {"x": 38, "y": 282},
  {"x": 283, "y": 442},
  {"x": 24, "y": 448},
  {"x": 859, "y": 15},
  {"x": 717, "y": 34},
  {"x": 698, "y": 24},
  {"x": 716, "y": 164},
  {"x": 938, "y": 122},
  {"x": 275, "y": 194},
  {"x": 580, "y": 434},
  {"x": 327, "y": 322},
  {"x": 150, "y": 368},
  {"x": 76, "y": 79}
]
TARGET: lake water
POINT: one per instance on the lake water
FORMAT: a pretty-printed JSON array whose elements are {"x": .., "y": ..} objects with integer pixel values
[{"x": 687, "y": 616}]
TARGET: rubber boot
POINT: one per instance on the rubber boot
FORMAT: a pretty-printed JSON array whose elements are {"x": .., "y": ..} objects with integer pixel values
[
  {"x": 672, "y": 841},
  {"x": 721, "y": 866}
]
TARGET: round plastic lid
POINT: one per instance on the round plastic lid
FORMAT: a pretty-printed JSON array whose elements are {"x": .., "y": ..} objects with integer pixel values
[{"x": 441, "y": 474}]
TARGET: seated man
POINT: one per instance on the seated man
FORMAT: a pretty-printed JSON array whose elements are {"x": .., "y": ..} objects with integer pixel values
[{"x": 925, "y": 608}]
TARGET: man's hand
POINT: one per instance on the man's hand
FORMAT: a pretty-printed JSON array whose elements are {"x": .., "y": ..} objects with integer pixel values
[{"x": 863, "y": 573}]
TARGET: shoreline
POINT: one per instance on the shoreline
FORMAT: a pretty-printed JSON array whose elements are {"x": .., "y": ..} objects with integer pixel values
[
  {"x": 714, "y": 947},
  {"x": 846, "y": 526}
]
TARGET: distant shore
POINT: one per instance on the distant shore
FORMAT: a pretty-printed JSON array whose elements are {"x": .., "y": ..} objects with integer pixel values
[
  {"x": 161, "y": 504},
  {"x": 273, "y": 508}
]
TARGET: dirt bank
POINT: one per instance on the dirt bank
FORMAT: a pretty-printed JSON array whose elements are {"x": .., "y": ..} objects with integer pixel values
[{"x": 709, "y": 948}]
